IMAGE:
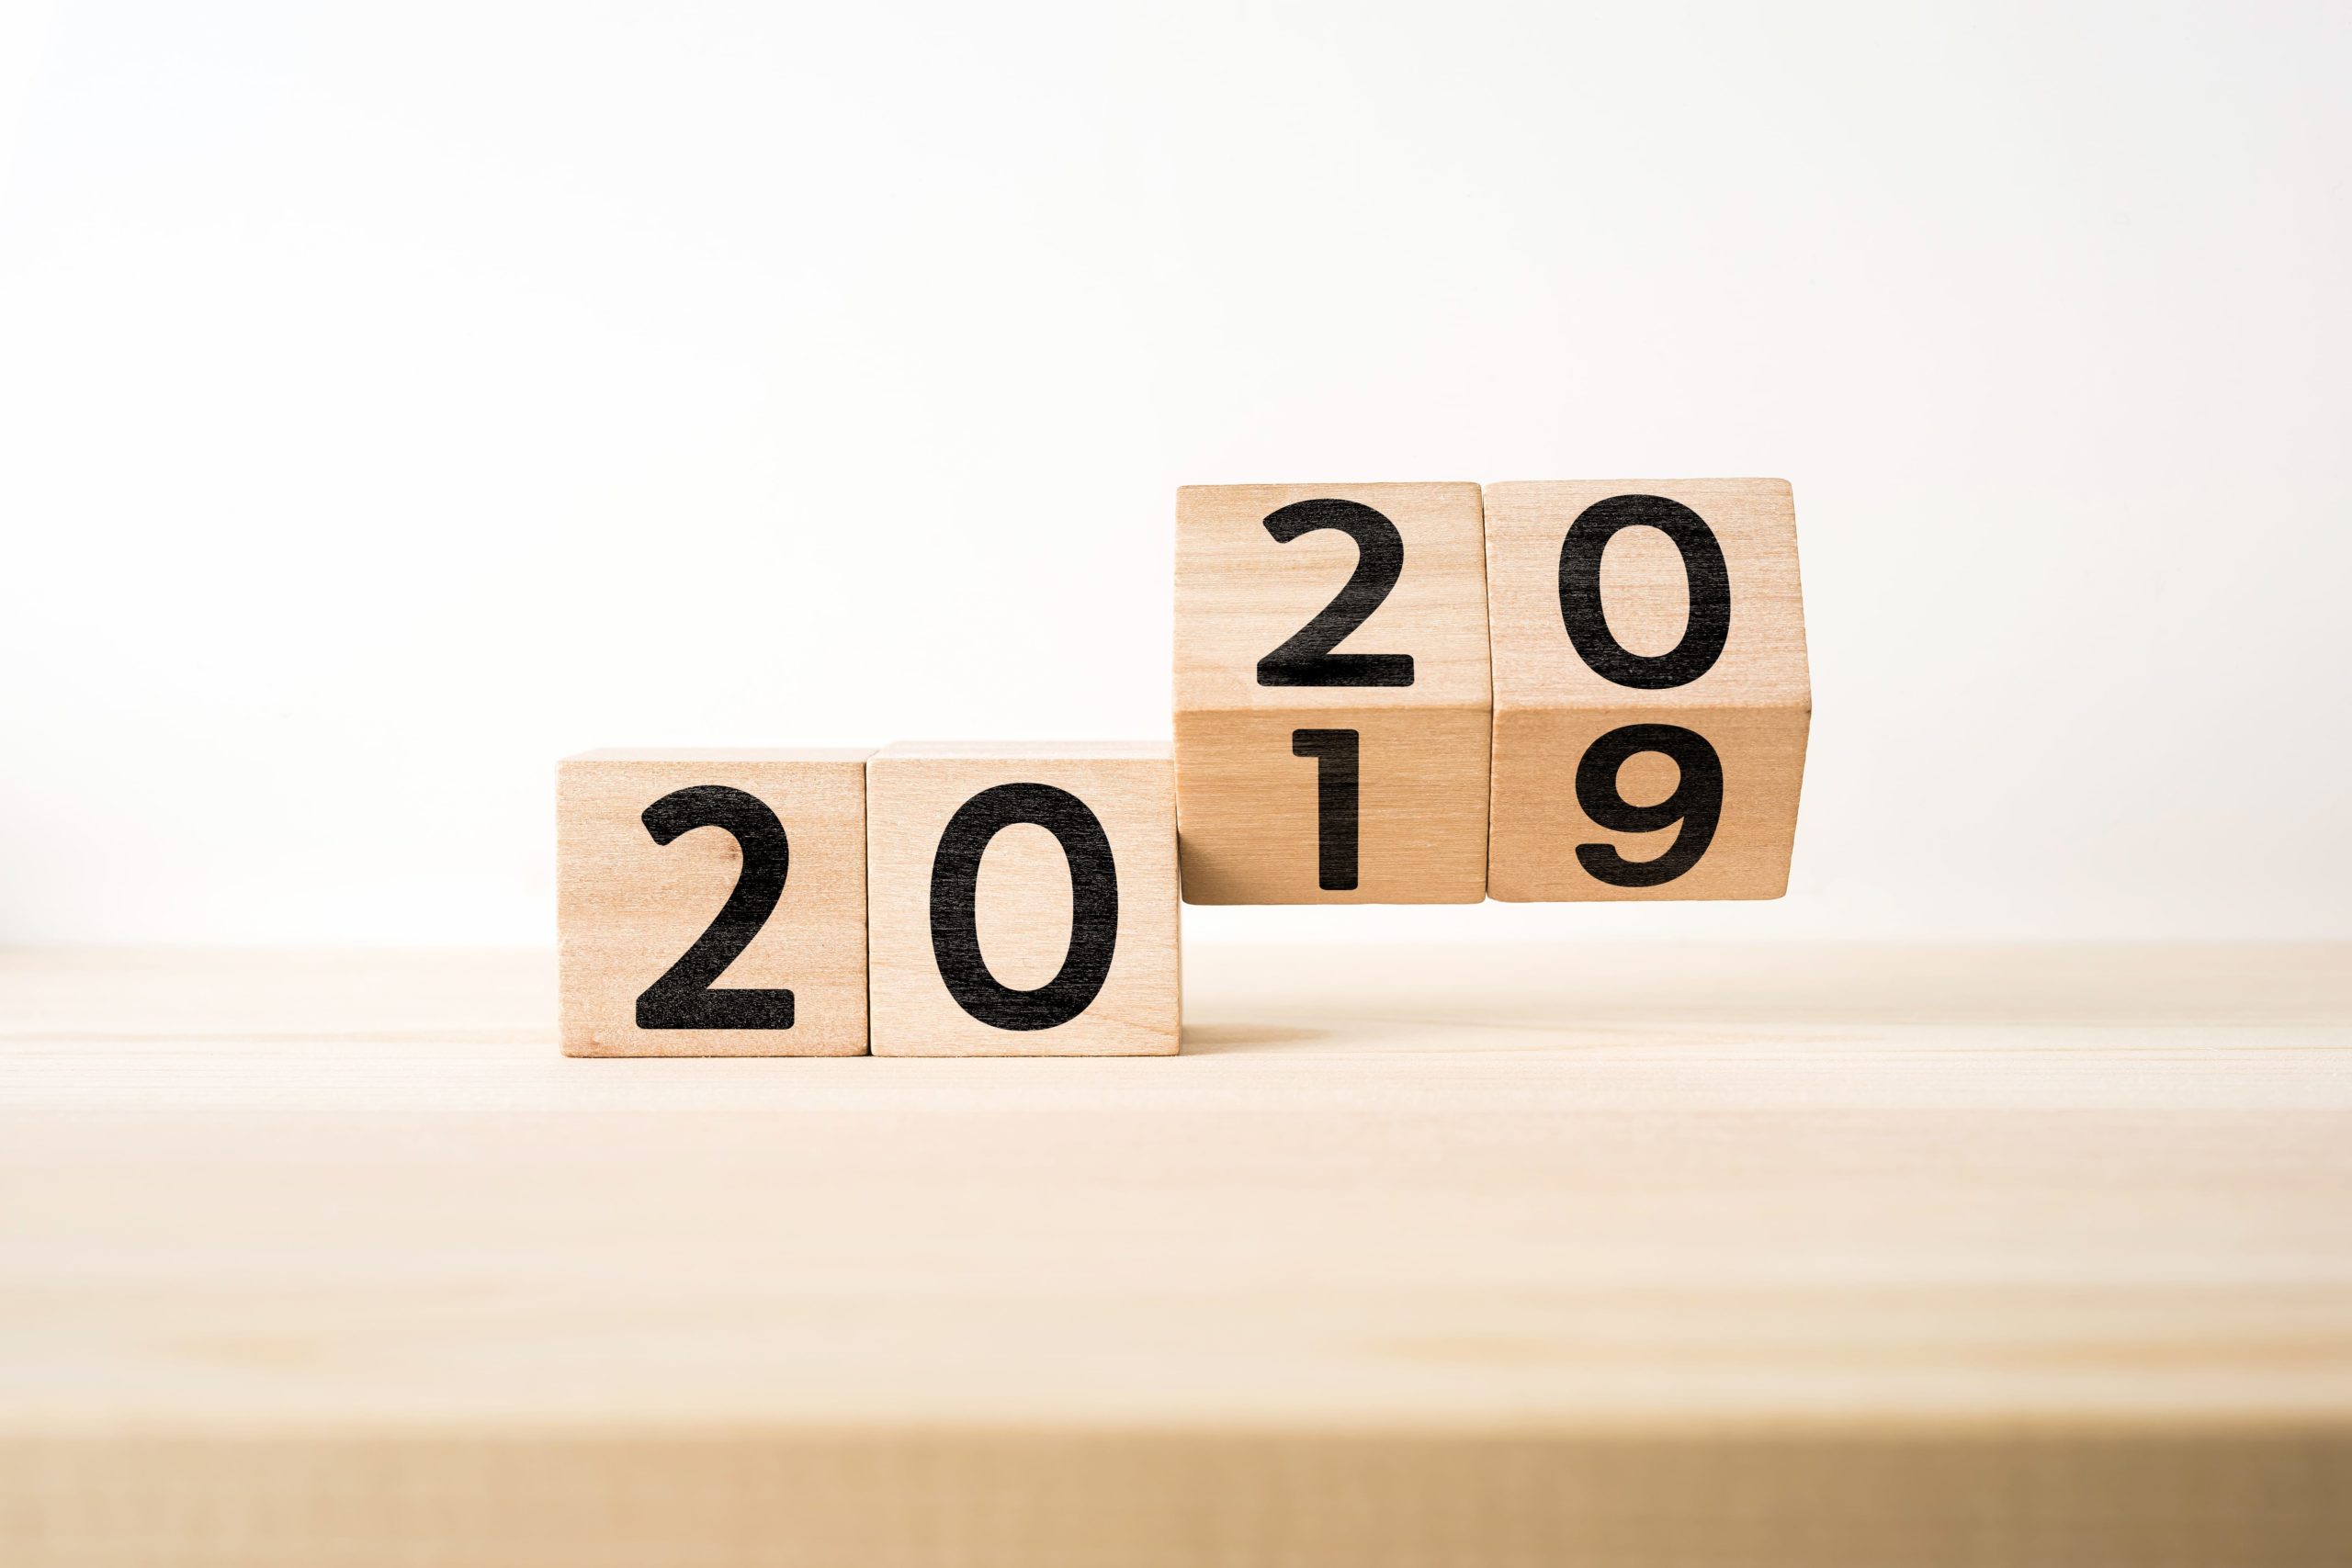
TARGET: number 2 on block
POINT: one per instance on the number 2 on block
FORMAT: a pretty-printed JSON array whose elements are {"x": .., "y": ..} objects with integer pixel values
[
  {"x": 1306, "y": 660},
  {"x": 684, "y": 997}
]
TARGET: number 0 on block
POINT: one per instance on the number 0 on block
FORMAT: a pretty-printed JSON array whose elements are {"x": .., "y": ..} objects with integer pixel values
[{"x": 1023, "y": 899}]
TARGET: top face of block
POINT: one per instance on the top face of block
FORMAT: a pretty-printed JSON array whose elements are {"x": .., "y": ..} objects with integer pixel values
[
  {"x": 1029, "y": 751},
  {"x": 1649, "y": 540},
  {"x": 1267, "y": 576},
  {"x": 721, "y": 754}
]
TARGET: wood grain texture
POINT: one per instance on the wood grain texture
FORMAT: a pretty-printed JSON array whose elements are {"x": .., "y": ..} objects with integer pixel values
[
  {"x": 1248, "y": 805},
  {"x": 628, "y": 906},
  {"x": 1812, "y": 1256},
  {"x": 1025, "y": 905},
  {"x": 1752, "y": 707}
]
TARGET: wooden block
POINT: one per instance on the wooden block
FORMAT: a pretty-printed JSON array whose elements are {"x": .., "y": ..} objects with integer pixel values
[
  {"x": 712, "y": 903},
  {"x": 1024, "y": 898},
  {"x": 1333, "y": 710},
  {"x": 1651, "y": 693}
]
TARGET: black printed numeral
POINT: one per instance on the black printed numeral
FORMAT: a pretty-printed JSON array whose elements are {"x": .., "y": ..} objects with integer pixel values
[
  {"x": 1703, "y": 634},
  {"x": 682, "y": 998},
  {"x": 1697, "y": 803},
  {"x": 1306, "y": 660},
  {"x": 954, "y": 907},
  {"x": 1336, "y": 755}
]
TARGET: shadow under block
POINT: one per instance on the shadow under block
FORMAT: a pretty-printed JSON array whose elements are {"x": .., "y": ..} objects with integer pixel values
[
  {"x": 1023, "y": 899},
  {"x": 1682, "y": 699},
  {"x": 696, "y": 889},
  {"x": 1333, "y": 709}
]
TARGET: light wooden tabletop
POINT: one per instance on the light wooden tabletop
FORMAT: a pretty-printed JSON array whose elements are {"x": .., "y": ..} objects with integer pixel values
[{"x": 1606, "y": 1254}]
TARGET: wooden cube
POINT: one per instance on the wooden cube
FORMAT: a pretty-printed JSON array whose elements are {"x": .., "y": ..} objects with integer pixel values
[
  {"x": 1333, "y": 711},
  {"x": 1023, "y": 899},
  {"x": 1651, "y": 693},
  {"x": 712, "y": 903}
]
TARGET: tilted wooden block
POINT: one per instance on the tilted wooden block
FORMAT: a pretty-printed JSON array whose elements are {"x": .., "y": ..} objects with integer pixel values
[
  {"x": 712, "y": 903},
  {"x": 1651, "y": 693},
  {"x": 1023, "y": 899},
  {"x": 1332, "y": 703}
]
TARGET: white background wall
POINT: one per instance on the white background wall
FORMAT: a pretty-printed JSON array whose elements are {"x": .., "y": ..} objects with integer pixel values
[{"x": 395, "y": 397}]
